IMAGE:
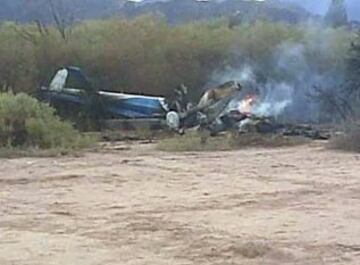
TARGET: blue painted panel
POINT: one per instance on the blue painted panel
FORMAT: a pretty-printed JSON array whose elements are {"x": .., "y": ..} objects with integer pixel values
[
  {"x": 137, "y": 108},
  {"x": 134, "y": 107}
]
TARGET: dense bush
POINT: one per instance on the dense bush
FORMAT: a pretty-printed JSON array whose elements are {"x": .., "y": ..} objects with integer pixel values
[
  {"x": 145, "y": 55},
  {"x": 25, "y": 122}
]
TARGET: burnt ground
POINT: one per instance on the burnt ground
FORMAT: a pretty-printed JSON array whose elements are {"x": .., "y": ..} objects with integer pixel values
[{"x": 297, "y": 205}]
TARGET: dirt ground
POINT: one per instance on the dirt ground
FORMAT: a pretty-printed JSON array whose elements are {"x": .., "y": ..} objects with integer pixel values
[{"x": 298, "y": 205}]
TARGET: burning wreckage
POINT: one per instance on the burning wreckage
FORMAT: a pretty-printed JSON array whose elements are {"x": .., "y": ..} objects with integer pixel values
[{"x": 220, "y": 109}]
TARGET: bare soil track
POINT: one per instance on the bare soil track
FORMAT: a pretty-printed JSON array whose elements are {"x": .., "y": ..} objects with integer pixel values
[{"x": 298, "y": 205}]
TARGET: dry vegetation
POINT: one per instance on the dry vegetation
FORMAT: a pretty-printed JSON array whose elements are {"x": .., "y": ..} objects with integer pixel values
[
  {"x": 195, "y": 141},
  {"x": 349, "y": 140},
  {"x": 145, "y": 55}
]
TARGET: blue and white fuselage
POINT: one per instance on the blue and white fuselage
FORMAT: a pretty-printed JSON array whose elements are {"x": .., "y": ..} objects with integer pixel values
[{"x": 118, "y": 105}]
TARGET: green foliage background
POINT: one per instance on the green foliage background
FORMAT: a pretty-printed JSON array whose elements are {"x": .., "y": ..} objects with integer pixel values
[{"x": 145, "y": 55}]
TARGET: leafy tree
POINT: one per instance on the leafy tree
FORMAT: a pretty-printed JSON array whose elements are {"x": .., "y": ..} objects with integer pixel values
[{"x": 337, "y": 14}]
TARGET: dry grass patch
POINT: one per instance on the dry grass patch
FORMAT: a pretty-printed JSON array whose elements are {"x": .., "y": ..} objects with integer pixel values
[
  {"x": 349, "y": 140},
  {"x": 10, "y": 153},
  {"x": 195, "y": 141}
]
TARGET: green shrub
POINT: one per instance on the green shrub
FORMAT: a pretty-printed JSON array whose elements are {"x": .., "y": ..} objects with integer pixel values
[{"x": 27, "y": 123}]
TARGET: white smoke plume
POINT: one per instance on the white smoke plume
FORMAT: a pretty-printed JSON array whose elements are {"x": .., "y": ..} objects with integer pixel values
[
  {"x": 273, "y": 97},
  {"x": 275, "y": 101},
  {"x": 290, "y": 79}
]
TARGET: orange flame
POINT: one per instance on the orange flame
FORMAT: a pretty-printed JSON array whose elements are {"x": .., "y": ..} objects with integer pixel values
[{"x": 246, "y": 105}]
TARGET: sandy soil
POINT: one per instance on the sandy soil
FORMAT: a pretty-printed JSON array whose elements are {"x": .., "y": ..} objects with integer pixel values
[{"x": 284, "y": 206}]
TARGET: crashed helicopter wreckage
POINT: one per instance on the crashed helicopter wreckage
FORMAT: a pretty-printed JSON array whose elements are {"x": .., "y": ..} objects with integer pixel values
[{"x": 70, "y": 89}]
